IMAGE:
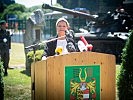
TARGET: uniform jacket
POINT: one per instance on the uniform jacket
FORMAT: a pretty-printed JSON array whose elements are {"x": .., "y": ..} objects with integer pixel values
[{"x": 5, "y": 36}]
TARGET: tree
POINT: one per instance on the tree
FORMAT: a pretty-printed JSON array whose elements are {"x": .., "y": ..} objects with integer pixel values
[
  {"x": 8, "y": 2},
  {"x": 125, "y": 80},
  {"x": 4, "y": 4},
  {"x": 14, "y": 9},
  {"x": 91, "y": 5}
]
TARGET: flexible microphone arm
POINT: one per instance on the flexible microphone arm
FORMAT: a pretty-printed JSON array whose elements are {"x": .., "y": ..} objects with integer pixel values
[
  {"x": 34, "y": 45},
  {"x": 43, "y": 42}
]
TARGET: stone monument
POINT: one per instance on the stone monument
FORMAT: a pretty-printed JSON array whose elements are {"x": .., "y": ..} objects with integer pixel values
[{"x": 34, "y": 30}]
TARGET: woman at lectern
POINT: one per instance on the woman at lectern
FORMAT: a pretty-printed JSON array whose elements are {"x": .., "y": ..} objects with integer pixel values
[{"x": 63, "y": 42}]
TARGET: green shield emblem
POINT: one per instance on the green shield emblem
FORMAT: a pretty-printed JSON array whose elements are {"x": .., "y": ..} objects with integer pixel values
[{"x": 82, "y": 82}]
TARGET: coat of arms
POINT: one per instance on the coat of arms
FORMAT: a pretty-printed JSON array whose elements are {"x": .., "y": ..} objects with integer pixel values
[{"x": 82, "y": 86}]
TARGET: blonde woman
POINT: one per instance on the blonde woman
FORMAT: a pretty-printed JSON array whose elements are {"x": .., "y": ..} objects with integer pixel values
[{"x": 61, "y": 42}]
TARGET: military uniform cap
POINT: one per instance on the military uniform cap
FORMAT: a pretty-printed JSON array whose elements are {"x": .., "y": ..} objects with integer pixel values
[{"x": 2, "y": 22}]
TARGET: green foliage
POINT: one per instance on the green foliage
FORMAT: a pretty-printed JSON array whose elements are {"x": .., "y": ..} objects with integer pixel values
[
  {"x": 38, "y": 56},
  {"x": 20, "y": 10},
  {"x": 32, "y": 9},
  {"x": 125, "y": 80},
  {"x": 2, "y": 6},
  {"x": 15, "y": 9},
  {"x": 1, "y": 81}
]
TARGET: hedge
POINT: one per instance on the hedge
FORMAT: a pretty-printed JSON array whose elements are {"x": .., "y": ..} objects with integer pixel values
[
  {"x": 125, "y": 80},
  {"x": 1, "y": 81}
]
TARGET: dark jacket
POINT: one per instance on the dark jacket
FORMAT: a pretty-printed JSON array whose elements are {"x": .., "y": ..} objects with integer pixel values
[
  {"x": 50, "y": 47},
  {"x": 5, "y": 35}
]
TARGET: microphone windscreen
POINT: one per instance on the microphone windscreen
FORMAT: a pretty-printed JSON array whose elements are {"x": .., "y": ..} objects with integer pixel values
[
  {"x": 58, "y": 50},
  {"x": 83, "y": 40},
  {"x": 81, "y": 46}
]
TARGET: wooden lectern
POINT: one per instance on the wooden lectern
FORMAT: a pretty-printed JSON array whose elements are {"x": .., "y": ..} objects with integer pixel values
[{"x": 48, "y": 76}]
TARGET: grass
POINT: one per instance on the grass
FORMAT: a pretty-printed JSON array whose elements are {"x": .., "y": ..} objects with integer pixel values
[
  {"x": 17, "y": 85},
  {"x": 17, "y": 55}
]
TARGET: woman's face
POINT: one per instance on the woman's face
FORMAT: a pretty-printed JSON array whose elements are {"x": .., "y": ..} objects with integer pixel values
[{"x": 61, "y": 28}]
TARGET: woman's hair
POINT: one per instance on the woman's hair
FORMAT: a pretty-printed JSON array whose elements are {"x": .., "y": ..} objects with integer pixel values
[{"x": 62, "y": 19}]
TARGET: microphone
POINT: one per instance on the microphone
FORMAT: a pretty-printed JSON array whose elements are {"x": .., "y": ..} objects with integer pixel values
[
  {"x": 89, "y": 46},
  {"x": 58, "y": 50},
  {"x": 83, "y": 40},
  {"x": 81, "y": 46}
]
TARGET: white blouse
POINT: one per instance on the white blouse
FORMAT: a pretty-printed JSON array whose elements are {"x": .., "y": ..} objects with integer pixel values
[{"x": 63, "y": 44}]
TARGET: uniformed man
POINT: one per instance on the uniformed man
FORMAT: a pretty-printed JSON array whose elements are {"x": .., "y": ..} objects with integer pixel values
[{"x": 5, "y": 45}]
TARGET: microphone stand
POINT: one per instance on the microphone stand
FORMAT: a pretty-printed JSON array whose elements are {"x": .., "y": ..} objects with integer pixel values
[
  {"x": 33, "y": 48},
  {"x": 34, "y": 59}
]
